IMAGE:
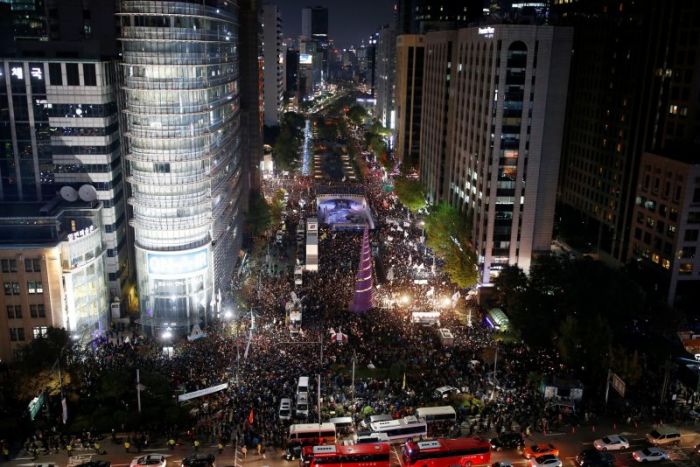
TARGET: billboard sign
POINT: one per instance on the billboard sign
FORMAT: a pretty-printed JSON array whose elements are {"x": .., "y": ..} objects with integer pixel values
[
  {"x": 305, "y": 59},
  {"x": 163, "y": 264}
]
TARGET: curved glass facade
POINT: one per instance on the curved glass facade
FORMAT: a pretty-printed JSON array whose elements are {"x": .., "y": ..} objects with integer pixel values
[{"x": 180, "y": 81}]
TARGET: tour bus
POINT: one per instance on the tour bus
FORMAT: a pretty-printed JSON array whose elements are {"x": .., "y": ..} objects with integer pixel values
[
  {"x": 442, "y": 452},
  {"x": 403, "y": 429},
  {"x": 444, "y": 413},
  {"x": 303, "y": 385},
  {"x": 306, "y": 433},
  {"x": 343, "y": 424},
  {"x": 365, "y": 455}
]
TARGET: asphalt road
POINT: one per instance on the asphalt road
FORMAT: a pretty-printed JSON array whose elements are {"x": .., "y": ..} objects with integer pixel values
[{"x": 569, "y": 444}]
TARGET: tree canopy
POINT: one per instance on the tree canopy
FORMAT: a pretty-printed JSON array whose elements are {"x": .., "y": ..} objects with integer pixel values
[
  {"x": 286, "y": 149},
  {"x": 357, "y": 114},
  {"x": 448, "y": 234},
  {"x": 580, "y": 307},
  {"x": 411, "y": 192}
]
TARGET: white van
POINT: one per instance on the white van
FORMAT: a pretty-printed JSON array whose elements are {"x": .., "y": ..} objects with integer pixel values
[
  {"x": 285, "y": 409},
  {"x": 303, "y": 385},
  {"x": 302, "y": 406}
]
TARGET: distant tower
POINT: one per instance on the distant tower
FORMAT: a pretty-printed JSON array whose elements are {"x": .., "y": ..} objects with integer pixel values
[{"x": 362, "y": 300}]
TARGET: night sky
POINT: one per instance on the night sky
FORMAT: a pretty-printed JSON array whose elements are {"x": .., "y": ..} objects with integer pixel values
[{"x": 349, "y": 20}]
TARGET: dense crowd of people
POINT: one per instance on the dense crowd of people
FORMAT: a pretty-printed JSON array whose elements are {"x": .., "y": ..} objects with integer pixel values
[{"x": 262, "y": 362}]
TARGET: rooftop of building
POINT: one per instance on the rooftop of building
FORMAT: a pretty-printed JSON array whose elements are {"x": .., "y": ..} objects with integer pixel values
[{"x": 23, "y": 223}]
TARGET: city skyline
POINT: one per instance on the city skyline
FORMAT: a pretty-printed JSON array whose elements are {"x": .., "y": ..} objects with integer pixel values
[{"x": 347, "y": 21}]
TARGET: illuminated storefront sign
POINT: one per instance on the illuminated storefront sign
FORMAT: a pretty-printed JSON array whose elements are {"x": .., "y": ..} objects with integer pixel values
[
  {"x": 81, "y": 233},
  {"x": 488, "y": 32},
  {"x": 175, "y": 265}
]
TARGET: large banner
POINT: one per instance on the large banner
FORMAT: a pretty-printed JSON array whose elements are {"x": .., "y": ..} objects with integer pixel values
[{"x": 201, "y": 392}]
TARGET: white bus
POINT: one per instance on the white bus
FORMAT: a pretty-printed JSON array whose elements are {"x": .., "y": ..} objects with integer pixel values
[
  {"x": 305, "y": 433},
  {"x": 403, "y": 429},
  {"x": 444, "y": 413}
]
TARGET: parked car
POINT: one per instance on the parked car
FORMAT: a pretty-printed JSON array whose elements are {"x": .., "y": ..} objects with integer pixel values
[
  {"x": 547, "y": 460},
  {"x": 594, "y": 458},
  {"x": 664, "y": 435},
  {"x": 507, "y": 441},
  {"x": 650, "y": 455},
  {"x": 149, "y": 460},
  {"x": 199, "y": 460},
  {"x": 443, "y": 392},
  {"x": 285, "y": 411},
  {"x": 611, "y": 443},
  {"x": 537, "y": 450}
]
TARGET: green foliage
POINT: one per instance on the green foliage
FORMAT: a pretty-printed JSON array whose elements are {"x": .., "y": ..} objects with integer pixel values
[
  {"x": 375, "y": 139},
  {"x": 461, "y": 265},
  {"x": 259, "y": 215},
  {"x": 357, "y": 114},
  {"x": 448, "y": 233},
  {"x": 446, "y": 226},
  {"x": 411, "y": 193},
  {"x": 285, "y": 151},
  {"x": 581, "y": 307}
]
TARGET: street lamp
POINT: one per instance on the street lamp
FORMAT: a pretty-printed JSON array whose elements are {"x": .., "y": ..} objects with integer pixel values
[
  {"x": 167, "y": 334},
  {"x": 405, "y": 299}
]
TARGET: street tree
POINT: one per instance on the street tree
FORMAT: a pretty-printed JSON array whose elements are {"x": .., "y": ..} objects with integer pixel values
[
  {"x": 357, "y": 114},
  {"x": 411, "y": 192}
]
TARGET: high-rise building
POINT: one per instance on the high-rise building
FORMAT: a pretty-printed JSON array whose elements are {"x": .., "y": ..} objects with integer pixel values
[
  {"x": 665, "y": 222},
  {"x": 274, "y": 59},
  {"x": 292, "y": 72},
  {"x": 59, "y": 127},
  {"x": 421, "y": 16},
  {"x": 61, "y": 29},
  {"x": 436, "y": 98},
  {"x": 314, "y": 22},
  {"x": 384, "y": 76},
  {"x": 315, "y": 41},
  {"x": 408, "y": 96},
  {"x": 59, "y": 123},
  {"x": 505, "y": 112},
  {"x": 620, "y": 49},
  {"x": 181, "y": 84},
  {"x": 251, "y": 81}
]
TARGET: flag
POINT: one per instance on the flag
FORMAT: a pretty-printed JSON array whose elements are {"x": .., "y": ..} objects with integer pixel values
[
  {"x": 250, "y": 417},
  {"x": 403, "y": 385},
  {"x": 64, "y": 406}
]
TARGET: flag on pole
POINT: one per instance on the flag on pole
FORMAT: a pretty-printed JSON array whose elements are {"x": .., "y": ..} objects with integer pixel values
[
  {"x": 250, "y": 417},
  {"x": 403, "y": 385},
  {"x": 64, "y": 406}
]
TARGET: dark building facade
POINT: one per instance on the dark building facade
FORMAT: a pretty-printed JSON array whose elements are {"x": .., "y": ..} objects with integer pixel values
[
  {"x": 618, "y": 81},
  {"x": 421, "y": 16}
]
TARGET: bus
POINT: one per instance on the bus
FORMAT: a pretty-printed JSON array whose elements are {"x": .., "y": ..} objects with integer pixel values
[
  {"x": 306, "y": 433},
  {"x": 365, "y": 455},
  {"x": 403, "y": 429},
  {"x": 443, "y": 452},
  {"x": 440, "y": 420},
  {"x": 444, "y": 413}
]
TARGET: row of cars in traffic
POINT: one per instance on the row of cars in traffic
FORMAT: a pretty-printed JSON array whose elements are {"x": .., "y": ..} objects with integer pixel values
[
  {"x": 547, "y": 455},
  {"x": 158, "y": 460}
]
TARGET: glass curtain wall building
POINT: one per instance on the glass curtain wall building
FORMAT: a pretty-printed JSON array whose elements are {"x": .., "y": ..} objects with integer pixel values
[{"x": 180, "y": 81}]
